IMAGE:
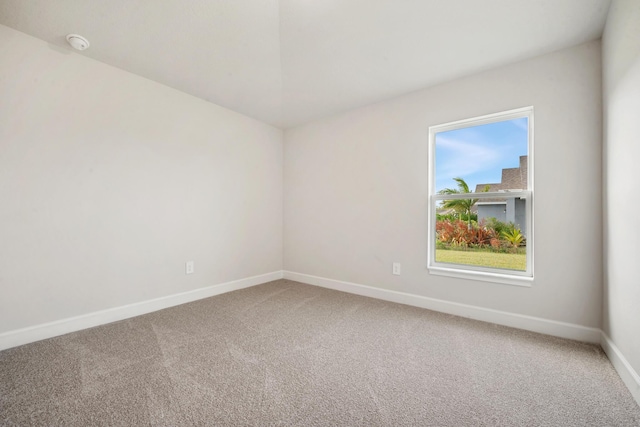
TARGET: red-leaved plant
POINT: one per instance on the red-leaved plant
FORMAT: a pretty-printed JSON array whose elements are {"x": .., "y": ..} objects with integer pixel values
[{"x": 460, "y": 233}]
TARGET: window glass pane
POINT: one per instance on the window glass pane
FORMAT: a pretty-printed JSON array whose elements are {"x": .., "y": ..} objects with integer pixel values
[
  {"x": 489, "y": 157},
  {"x": 489, "y": 232}
]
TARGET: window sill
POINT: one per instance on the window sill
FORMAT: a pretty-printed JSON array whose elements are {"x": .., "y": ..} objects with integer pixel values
[{"x": 505, "y": 279}]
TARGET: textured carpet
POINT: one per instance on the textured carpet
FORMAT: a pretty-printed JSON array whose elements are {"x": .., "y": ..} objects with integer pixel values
[{"x": 284, "y": 353}]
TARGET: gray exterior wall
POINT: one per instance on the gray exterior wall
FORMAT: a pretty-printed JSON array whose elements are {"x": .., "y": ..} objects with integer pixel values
[
  {"x": 521, "y": 217},
  {"x": 494, "y": 210},
  {"x": 512, "y": 211}
]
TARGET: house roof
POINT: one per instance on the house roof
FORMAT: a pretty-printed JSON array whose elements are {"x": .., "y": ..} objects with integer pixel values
[{"x": 512, "y": 178}]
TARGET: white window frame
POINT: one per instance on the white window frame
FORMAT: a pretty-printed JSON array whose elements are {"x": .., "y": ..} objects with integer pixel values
[{"x": 496, "y": 275}]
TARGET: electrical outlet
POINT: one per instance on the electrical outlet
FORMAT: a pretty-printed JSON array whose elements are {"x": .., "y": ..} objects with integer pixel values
[
  {"x": 396, "y": 268},
  {"x": 189, "y": 267}
]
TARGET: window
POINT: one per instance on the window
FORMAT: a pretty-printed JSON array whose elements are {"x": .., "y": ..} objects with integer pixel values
[{"x": 481, "y": 198}]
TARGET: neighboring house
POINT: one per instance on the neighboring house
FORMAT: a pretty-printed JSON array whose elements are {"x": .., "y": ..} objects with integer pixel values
[{"x": 508, "y": 209}]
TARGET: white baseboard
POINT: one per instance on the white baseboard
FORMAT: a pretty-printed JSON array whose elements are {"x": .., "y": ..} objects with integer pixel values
[
  {"x": 550, "y": 327},
  {"x": 529, "y": 323},
  {"x": 629, "y": 376},
  {"x": 89, "y": 320}
]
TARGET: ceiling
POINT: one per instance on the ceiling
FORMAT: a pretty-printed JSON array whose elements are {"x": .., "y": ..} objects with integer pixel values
[{"x": 286, "y": 62}]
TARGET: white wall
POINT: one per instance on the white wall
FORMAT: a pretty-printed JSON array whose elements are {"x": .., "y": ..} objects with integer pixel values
[
  {"x": 110, "y": 182},
  {"x": 621, "y": 66},
  {"x": 356, "y": 188}
]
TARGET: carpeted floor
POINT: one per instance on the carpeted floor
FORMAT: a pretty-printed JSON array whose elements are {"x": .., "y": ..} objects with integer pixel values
[{"x": 284, "y": 353}]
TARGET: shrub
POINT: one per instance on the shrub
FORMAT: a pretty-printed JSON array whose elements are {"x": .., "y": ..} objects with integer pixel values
[
  {"x": 455, "y": 217},
  {"x": 501, "y": 227},
  {"x": 458, "y": 233},
  {"x": 514, "y": 237}
]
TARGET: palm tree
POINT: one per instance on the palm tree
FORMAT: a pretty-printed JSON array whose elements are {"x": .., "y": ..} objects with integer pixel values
[{"x": 461, "y": 205}]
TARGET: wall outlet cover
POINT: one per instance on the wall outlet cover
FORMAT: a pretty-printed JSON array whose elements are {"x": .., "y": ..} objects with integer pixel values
[
  {"x": 189, "y": 267},
  {"x": 396, "y": 268}
]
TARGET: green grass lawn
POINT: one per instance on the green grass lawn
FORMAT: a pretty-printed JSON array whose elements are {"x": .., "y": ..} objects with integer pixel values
[{"x": 485, "y": 259}]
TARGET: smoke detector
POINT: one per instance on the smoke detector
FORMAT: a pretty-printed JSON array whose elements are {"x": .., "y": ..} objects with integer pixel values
[{"x": 77, "y": 42}]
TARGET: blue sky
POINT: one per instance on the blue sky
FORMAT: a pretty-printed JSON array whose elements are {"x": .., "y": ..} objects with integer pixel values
[{"x": 478, "y": 154}]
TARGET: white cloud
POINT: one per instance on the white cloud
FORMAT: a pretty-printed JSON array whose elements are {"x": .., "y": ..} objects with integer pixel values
[{"x": 460, "y": 158}]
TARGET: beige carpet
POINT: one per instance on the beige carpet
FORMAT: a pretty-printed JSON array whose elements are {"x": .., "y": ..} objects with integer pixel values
[{"x": 284, "y": 353}]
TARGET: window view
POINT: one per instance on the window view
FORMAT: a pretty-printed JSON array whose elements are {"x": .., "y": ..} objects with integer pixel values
[{"x": 480, "y": 195}]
